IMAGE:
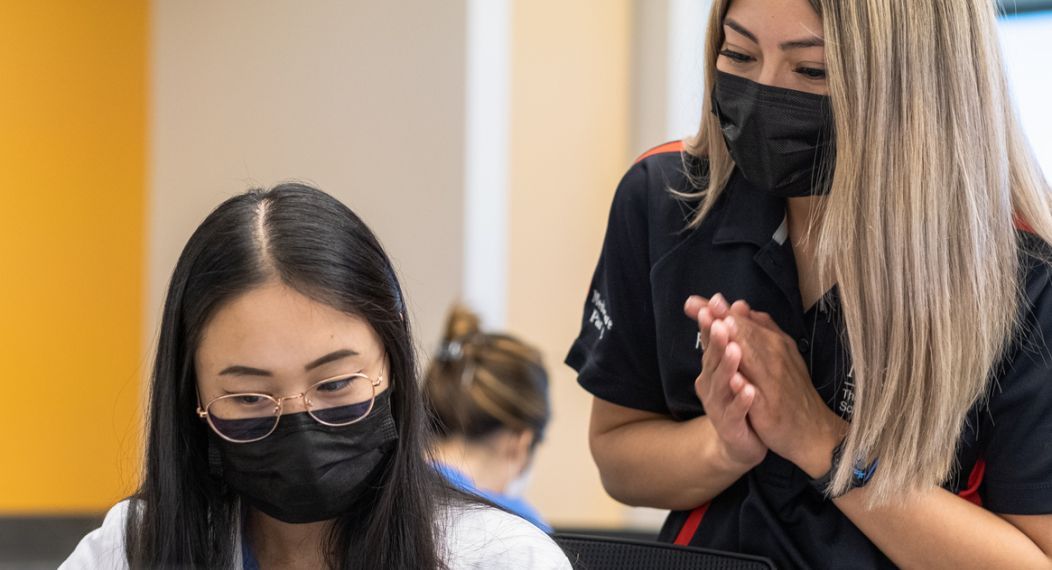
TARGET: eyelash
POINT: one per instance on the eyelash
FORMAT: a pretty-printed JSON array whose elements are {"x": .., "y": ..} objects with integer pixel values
[
  {"x": 736, "y": 57},
  {"x": 812, "y": 73}
]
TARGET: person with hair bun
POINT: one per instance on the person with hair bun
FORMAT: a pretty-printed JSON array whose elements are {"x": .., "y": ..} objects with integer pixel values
[{"x": 488, "y": 396}]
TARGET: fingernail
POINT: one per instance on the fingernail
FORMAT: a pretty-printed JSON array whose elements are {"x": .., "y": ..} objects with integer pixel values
[{"x": 718, "y": 302}]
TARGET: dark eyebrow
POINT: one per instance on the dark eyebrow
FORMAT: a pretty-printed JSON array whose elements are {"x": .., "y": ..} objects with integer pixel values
[
  {"x": 814, "y": 41},
  {"x": 806, "y": 43},
  {"x": 239, "y": 370},
  {"x": 740, "y": 29},
  {"x": 244, "y": 371},
  {"x": 331, "y": 357}
]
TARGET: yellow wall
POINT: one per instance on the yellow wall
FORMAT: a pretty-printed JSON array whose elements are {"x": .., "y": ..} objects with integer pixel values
[
  {"x": 72, "y": 203},
  {"x": 569, "y": 145}
]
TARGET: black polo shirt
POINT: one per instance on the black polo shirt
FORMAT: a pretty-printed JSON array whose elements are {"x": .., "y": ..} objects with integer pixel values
[{"x": 637, "y": 349}]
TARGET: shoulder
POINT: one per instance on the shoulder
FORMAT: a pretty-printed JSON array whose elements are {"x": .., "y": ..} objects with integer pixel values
[
  {"x": 478, "y": 536},
  {"x": 1034, "y": 338},
  {"x": 1036, "y": 262},
  {"x": 519, "y": 507},
  {"x": 102, "y": 548},
  {"x": 649, "y": 187},
  {"x": 1024, "y": 375},
  {"x": 664, "y": 168},
  {"x": 1017, "y": 477}
]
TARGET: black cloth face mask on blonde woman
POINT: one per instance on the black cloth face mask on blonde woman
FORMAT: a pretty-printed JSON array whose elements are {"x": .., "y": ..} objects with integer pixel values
[{"x": 780, "y": 139}]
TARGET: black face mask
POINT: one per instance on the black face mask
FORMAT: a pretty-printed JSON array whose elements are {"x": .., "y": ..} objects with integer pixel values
[
  {"x": 780, "y": 139},
  {"x": 306, "y": 471}
]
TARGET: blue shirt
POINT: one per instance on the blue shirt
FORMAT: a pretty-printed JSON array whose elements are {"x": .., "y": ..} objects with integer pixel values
[
  {"x": 513, "y": 505},
  {"x": 248, "y": 559}
]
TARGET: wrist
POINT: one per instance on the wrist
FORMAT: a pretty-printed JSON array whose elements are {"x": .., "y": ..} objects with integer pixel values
[
  {"x": 816, "y": 457},
  {"x": 735, "y": 463}
]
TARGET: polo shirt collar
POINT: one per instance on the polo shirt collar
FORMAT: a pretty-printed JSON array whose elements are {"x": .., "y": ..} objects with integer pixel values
[{"x": 751, "y": 215}]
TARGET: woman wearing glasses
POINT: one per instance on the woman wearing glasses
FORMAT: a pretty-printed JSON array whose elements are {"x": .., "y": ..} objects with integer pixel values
[{"x": 286, "y": 426}]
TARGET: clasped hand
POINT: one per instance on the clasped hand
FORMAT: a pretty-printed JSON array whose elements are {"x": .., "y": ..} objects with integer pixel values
[{"x": 757, "y": 391}]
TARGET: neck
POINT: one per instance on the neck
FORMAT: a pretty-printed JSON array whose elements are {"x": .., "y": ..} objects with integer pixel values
[
  {"x": 476, "y": 460},
  {"x": 804, "y": 219},
  {"x": 802, "y": 214},
  {"x": 279, "y": 544}
]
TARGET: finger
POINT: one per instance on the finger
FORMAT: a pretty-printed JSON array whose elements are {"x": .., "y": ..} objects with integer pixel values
[
  {"x": 719, "y": 306},
  {"x": 736, "y": 383},
  {"x": 719, "y": 335},
  {"x": 732, "y": 327},
  {"x": 740, "y": 309},
  {"x": 738, "y": 408},
  {"x": 694, "y": 304},
  {"x": 750, "y": 344},
  {"x": 705, "y": 326},
  {"x": 710, "y": 360},
  {"x": 720, "y": 389}
]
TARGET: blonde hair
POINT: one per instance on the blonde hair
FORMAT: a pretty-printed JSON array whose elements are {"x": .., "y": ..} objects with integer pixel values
[
  {"x": 479, "y": 383},
  {"x": 917, "y": 231}
]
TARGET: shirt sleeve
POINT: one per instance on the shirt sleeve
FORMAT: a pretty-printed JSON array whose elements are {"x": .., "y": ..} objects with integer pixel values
[
  {"x": 615, "y": 354},
  {"x": 1018, "y": 477},
  {"x": 484, "y": 537},
  {"x": 102, "y": 548}
]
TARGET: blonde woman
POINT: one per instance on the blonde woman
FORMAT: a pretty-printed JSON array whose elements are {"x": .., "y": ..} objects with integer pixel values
[{"x": 858, "y": 236}]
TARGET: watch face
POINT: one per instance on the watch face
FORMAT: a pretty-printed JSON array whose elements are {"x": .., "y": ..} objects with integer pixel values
[{"x": 862, "y": 474}]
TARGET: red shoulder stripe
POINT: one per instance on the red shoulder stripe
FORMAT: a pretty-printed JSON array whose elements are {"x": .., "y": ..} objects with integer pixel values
[
  {"x": 690, "y": 526},
  {"x": 674, "y": 146},
  {"x": 971, "y": 493},
  {"x": 1021, "y": 225}
]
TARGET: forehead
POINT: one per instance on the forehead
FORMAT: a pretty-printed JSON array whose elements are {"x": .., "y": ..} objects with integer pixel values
[
  {"x": 774, "y": 21},
  {"x": 274, "y": 327}
]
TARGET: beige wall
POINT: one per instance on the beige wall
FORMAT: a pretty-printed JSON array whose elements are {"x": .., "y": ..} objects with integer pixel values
[
  {"x": 363, "y": 99},
  {"x": 367, "y": 100},
  {"x": 569, "y": 146}
]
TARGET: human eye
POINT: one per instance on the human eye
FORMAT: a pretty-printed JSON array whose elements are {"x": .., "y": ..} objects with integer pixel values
[
  {"x": 736, "y": 56},
  {"x": 247, "y": 399},
  {"x": 811, "y": 72},
  {"x": 335, "y": 385}
]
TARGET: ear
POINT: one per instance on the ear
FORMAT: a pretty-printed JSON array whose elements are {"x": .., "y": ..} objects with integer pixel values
[{"x": 520, "y": 445}]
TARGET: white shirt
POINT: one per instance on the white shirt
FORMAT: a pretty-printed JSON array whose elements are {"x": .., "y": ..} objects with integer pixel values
[{"x": 474, "y": 537}]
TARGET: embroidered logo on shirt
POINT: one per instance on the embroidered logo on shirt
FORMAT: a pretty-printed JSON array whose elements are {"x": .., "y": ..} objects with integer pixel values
[
  {"x": 847, "y": 396},
  {"x": 599, "y": 317}
]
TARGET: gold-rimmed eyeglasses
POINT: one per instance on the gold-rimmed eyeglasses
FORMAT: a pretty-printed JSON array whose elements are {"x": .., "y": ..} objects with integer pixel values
[{"x": 245, "y": 417}]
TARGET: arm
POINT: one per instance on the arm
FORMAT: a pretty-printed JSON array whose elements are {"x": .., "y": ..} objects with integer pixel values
[
  {"x": 937, "y": 529},
  {"x": 932, "y": 528},
  {"x": 647, "y": 459}
]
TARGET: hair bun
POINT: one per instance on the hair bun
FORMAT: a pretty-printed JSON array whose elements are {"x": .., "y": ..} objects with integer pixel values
[{"x": 461, "y": 323}]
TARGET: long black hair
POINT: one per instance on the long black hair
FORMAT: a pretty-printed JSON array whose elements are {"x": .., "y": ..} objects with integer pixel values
[{"x": 183, "y": 514}]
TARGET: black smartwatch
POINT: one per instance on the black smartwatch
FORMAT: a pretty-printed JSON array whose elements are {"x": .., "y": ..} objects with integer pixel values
[{"x": 861, "y": 473}]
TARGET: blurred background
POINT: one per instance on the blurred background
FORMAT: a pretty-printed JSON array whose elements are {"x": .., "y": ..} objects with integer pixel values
[{"x": 482, "y": 140}]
